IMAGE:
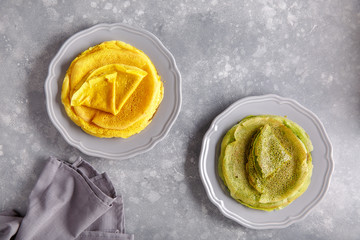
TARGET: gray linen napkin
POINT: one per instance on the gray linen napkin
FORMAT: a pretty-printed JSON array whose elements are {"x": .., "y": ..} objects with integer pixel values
[{"x": 69, "y": 201}]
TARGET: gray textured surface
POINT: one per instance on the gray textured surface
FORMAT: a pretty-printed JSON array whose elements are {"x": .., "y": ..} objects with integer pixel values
[{"x": 305, "y": 50}]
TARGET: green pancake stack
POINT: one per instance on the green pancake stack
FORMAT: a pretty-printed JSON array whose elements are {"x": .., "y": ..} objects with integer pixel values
[{"x": 265, "y": 161}]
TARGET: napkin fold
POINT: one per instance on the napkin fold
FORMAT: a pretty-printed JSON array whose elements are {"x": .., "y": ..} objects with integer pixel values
[{"x": 69, "y": 201}]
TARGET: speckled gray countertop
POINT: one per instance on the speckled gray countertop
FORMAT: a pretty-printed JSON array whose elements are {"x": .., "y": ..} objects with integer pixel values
[{"x": 225, "y": 50}]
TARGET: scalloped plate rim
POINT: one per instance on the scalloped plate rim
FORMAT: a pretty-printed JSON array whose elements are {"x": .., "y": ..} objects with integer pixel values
[
  {"x": 220, "y": 202},
  {"x": 153, "y": 139}
]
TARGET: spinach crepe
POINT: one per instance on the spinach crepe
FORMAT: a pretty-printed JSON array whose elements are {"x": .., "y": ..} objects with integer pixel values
[{"x": 265, "y": 161}]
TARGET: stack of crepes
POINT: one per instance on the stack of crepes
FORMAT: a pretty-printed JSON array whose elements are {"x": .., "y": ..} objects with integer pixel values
[
  {"x": 112, "y": 90},
  {"x": 265, "y": 161}
]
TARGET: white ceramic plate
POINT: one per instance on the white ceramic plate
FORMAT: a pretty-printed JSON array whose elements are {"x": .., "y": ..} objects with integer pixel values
[
  {"x": 322, "y": 161},
  {"x": 115, "y": 148}
]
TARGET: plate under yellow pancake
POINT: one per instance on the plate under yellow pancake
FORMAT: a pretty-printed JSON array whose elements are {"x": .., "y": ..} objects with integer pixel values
[{"x": 112, "y": 90}]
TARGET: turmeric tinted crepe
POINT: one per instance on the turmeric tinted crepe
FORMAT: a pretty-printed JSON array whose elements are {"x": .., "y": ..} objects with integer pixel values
[
  {"x": 112, "y": 90},
  {"x": 265, "y": 161}
]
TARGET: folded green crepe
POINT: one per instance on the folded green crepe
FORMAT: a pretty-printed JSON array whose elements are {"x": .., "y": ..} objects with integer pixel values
[{"x": 265, "y": 161}]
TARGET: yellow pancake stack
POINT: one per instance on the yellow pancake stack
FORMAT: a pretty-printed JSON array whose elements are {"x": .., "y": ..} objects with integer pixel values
[
  {"x": 265, "y": 161},
  {"x": 112, "y": 90}
]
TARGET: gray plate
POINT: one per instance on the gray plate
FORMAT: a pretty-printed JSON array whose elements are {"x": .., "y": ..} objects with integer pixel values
[
  {"x": 322, "y": 161},
  {"x": 115, "y": 148}
]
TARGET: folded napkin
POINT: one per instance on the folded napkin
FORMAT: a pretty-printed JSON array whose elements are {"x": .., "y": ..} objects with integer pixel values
[{"x": 69, "y": 201}]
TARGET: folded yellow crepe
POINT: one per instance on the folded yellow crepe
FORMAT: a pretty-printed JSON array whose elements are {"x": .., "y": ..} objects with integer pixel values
[{"x": 112, "y": 90}]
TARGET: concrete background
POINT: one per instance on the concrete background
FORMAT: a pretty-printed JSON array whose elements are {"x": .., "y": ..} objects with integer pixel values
[{"x": 225, "y": 50}]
